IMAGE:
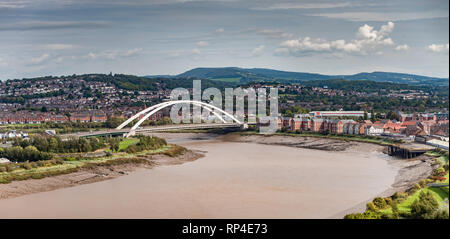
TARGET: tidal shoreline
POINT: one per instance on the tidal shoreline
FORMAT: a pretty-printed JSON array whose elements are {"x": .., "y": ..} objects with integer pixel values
[
  {"x": 90, "y": 175},
  {"x": 411, "y": 170},
  {"x": 408, "y": 172}
]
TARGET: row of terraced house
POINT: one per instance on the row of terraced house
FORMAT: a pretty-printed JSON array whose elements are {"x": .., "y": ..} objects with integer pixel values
[
  {"x": 40, "y": 117},
  {"x": 426, "y": 125}
]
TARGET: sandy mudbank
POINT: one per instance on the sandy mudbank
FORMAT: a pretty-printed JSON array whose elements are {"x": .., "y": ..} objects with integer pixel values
[
  {"x": 293, "y": 141},
  {"x": 85, "y": 175}
]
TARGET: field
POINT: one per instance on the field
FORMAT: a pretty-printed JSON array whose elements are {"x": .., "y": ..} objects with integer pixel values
[{"x": 127, "y": 142}]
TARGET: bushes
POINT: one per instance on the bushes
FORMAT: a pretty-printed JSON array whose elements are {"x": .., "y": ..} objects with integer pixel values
[
  {"x": 29, "y": 153},
  {"x": 425, "y": 206},
  {"x": 146, "y": 143},
  {"x": 380, "y": 203},
  {"x": 174, "y": 151}
]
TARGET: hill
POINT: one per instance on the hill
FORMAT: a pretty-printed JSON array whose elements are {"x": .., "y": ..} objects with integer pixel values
[{"x": 242, "y": 75}]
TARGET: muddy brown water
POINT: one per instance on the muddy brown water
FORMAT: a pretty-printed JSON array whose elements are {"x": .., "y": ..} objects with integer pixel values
[{"x": 233, "y": 180}]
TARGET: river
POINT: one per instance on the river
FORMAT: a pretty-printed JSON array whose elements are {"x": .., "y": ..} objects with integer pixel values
[{"x": 233, "y": 180}]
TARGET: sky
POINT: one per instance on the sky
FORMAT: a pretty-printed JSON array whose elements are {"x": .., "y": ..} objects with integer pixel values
[{"x": 161, "y": 37}]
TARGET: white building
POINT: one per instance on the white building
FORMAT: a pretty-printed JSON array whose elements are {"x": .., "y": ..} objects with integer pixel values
[{"x": 373, "y": 130}]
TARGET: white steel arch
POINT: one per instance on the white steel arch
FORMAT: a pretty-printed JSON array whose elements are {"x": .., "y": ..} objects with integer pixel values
[{"x": 156, "y": 108}]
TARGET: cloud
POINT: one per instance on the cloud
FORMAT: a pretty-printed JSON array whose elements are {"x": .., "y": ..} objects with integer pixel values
[
  {"x": 50, "y": 25},
  {"x": 287, "y": 6},
  {"x": 440, "y": 48},
  {"x": 58, "y": 46},
  {"x": 112, "y": 54},
  {"x": 202, "y": 43},
  {"x": 258, "y": 51},
  {"x": 196, "y": 51},
  {"x": 12, "y": 4},
  {"x": 132, "y": 52},
  {"x": 363, "y": 16},
  {"x": 403, "y": 47},
  {"x": 367, "y": 40},
  {"x": 275, "y": 33},
  {"x": 41, "y": 59},
  {"x": 3, "y": 62},
  {"x": 220, "y": 30}
]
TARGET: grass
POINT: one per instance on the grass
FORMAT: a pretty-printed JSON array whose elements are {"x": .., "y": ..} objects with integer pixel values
[{"x": 127, "y": 142}]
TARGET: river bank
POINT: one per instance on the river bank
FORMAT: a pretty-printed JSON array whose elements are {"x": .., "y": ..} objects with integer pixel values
[
  {"x": 251, "y": 176},
  {"x": 410, "y": 171},
  {"x": 90, "y": 175}
]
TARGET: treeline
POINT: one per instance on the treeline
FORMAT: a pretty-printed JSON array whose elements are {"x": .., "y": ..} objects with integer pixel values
[
  {"x": 354, "y": 102},
  {"x": 55, "y": 144},
  {"x": 21, "y": 154}
]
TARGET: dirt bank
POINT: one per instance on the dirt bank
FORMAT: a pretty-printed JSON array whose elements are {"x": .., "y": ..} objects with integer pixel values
[
  {"x": 85, "y": 176},
  {"x": 293, "y": 141}
]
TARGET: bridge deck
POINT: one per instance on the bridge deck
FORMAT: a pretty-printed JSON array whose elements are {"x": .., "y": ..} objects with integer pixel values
[{"x": 113, "y": 132}]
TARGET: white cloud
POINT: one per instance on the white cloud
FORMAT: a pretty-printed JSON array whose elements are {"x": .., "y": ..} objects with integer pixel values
[
  {"x": 202, "y": 43},
  {"x": 438, "y": 47},
  {"x": 220, "y": 30},
  {"x": 362, "y": 16},
  {"x": 275, "y": 33},
  {"x": 40, "y": 59},
  {"x": 367, "y": 40},
  {"x": 258, "y": 51},
  {"x": 287, "y": 6},
  {"x": 3, "y": 62},
  {"x": 58, "y": 46},
  {"x": 132, "y": 52},
  {"x": 113, "y": 54},
  {"x": 12, "y": 4},
  {"x": 403, "y": 47},
  {"x": 196, "y": 51}
]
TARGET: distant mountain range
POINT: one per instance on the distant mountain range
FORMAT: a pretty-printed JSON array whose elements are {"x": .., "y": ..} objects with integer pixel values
[{"x": 243, "y": 75}]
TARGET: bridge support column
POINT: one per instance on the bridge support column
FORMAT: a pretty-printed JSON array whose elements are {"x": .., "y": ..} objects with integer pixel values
[{"x": 129, "y": 134}]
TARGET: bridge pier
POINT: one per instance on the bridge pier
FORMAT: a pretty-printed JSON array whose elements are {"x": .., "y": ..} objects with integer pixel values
[{"x": 129, "y": 134}]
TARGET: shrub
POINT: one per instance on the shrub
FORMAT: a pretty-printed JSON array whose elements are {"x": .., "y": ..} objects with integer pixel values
[
  {"x": 399, "y": 196},
  {"x": 379, "y": 203},
  {"x": 174, "y": 151},
  {"x": 439, "y": 171},
  {"x": 370, "y": 206},
  {"x": 2, "y": 169},
  {"x": 27, "y": 166}
]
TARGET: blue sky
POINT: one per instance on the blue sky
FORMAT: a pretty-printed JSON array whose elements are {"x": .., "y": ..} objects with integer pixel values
[{"x": 62, "y": 37}]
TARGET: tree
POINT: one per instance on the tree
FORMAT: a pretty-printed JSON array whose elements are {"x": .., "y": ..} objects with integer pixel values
[
  {"x": 44, "y": 109},
  {"x": 366, "y": 117},
  {"x": 372, "y": 116}
]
